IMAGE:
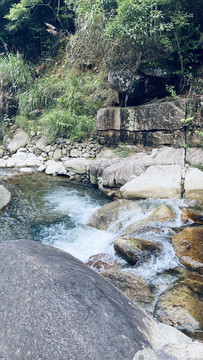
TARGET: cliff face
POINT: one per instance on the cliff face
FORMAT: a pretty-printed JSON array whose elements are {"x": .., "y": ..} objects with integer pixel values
[{"x": 162, "y": 122}]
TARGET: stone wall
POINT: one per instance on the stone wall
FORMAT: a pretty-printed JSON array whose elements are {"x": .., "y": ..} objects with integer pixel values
[{"x": 156, "y": 123}]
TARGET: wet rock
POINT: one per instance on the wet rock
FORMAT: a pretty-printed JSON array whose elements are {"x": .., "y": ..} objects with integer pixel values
[
  {"x": 102, "y": 262},
  {"x": 161, "y": 214},
  {"x": 5, "y": 197},
  {"x": 181, "y": 305},
  {"x": 26, "y": 170},
  {"x": 194, "y": 184},
  {"x": 19, "y": 140},
  {"x": 191, "y": 215},
  {"x": 41, "y": 168},
  {"x": 188, "y": 246},
  {"x": 116, "y": 211},
  {"x": 130, "y": 285},
  {"x": 3, "y": 163},
  {"x": 159, "y": 181},
  {"x": 135, "y": 251}
]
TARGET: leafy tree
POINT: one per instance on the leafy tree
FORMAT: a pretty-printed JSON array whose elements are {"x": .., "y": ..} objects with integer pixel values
[{"x": 32, "y": 23}]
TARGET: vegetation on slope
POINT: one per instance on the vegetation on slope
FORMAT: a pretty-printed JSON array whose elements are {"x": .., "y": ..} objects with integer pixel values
[{"x": 88, "y": 38}]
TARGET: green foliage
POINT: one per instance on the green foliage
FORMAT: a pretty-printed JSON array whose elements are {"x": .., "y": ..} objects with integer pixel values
[
  {"x": 42, "y": 93},
  {"x": 188, "y": 121},
  {"x": 171, "y": 90},
  {"x": 22, "y": 11},
  {"x": 137, "y": 20},
  {"x": 64, "y": 105},
  {"x": 29, "y": 25},
  {"x": 14, "y": 72},
  {"x": 200, "y": 140},
  {"x": 64, "y": 122},
  {"x": 15, "y": 78}
]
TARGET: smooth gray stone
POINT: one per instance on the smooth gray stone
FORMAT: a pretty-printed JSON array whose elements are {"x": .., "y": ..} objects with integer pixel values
[{"x": 52, "y": 306}]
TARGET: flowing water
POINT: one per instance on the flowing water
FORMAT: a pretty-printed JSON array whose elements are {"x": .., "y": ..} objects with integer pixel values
[{"x": 55, "y": 212}]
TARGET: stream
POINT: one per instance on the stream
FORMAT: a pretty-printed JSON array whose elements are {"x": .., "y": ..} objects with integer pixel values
[{"x": 55, "y": 212}]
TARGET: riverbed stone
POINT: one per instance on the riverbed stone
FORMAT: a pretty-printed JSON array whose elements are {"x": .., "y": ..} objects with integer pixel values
[
  {"x": 191, "y": 215},
  {"x": 5, "y": 197},
  {"x": 41, "y": 168},
  {"x": 19, "y": 140},
  {"x": 3, "y": 163},
  {"x": 159, "y": 181},
  {"x": 26, "y": 170},
  {"x": 159, "y": 215},
  {"x": 134, "y": 250},
  {"x": 102, "y": 262},
  {"x": 188, "y": 246},
  {"x": 131, "y": 285},
  {"x": 194, "y": 184},
  {"x": 114, "y": 215},
  {"x": 181, "y": 305}
]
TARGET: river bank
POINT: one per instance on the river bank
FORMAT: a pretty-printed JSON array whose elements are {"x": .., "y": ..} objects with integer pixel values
[{"x": 123, "y": 172}]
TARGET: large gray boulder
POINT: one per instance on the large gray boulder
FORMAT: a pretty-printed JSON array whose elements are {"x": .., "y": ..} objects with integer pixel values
[
  {"x": 5, "y": 197},
  {"x": 115, "y": 173},
  {"x": 77, "y": 165},
  {"x": 159, "y": 181},
  {"x": 19, "y": 140},
  {"x": 52, "y": 306}
]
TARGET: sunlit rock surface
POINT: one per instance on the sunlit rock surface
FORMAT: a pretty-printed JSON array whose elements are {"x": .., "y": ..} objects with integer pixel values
[
  {"x": 159, "y": 181},
  {"x": 189, "y": 215},
  {"x": 188, "y": 245},
  {"x": 181, "y": 304},
  {"x": 52, "y": 306},
  {"x": 131, "y": 285},
  {"x": 135, "y": 251}
]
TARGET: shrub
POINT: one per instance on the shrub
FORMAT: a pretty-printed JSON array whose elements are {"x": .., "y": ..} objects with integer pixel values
[
  {"x": 15, "y": 73},
  {"x": 63, "y": 105}
]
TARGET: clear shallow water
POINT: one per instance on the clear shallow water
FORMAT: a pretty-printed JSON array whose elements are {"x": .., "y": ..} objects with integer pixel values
[{"x": 55, "y": 212}]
